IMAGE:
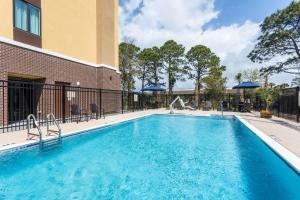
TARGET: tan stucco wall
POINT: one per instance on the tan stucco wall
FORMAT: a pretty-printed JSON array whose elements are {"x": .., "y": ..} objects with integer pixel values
[
  {"x": 6, "y": 19},
  {"x": 108, "y": 33},
  {"x": 69, "y": 28},
  {"x": 83, "y": 29}
]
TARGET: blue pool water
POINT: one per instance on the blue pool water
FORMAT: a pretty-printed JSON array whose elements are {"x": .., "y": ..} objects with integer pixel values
[{"x": 157, "y": 157}]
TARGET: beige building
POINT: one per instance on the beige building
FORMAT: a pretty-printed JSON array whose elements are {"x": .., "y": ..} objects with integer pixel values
[
  {"x": 82, "y": 35},
  {"x": 47, "y": 46}
]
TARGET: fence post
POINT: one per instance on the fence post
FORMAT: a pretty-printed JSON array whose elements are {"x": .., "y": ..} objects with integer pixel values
[
  {"x": 278, "y": 107},
  {"x": 166, "y": 99},
  {"x": 122, "y": 100},
  {"x": 100, "y": 95},
  {"x": 297, "y": 103},
  {"x": 128, "y": 101},
  {"x": 64, "y": 104},
  {"x": 132, "y": 101},
  {"x": 143, "y": 100}
]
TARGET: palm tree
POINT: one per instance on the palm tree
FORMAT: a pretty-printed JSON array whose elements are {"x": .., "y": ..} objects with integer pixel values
[{"x": 238, "y": 77}]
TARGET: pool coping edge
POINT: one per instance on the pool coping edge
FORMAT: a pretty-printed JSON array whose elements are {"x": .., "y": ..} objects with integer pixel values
[
  {"x": 30, "y": 143},
  {"x": 283, "y": 152}
]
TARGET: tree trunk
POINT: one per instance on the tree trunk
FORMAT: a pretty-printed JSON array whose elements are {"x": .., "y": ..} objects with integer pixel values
[
  {"x": 199, "y": 95},
  {"x": 143, "y": 82},
  {"x": 155, "y": 82},
  {"x": 198, "y": 89},
  {"x": 128, "y": 86},
  {"x": 170, "y": 88}
]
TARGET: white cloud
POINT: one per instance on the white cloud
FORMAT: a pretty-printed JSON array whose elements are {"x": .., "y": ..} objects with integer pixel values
[
  {"x": 132, "y": 5},
  {"x": 152, "y": 22}
]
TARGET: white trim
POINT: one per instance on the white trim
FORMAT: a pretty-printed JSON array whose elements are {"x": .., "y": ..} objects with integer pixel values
[
  {"x": 281, "y": 151},
  {"x": 51, "y": 53},
  {"x": 108, "y": 67}
]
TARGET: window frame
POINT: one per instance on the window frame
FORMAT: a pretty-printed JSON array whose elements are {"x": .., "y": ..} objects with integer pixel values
[{"x": 28, "y": 5}]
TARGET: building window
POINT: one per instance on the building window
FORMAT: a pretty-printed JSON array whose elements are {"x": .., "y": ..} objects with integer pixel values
[
  {"x": 34, "y": 20},
  {"x": 21, "y": 18},
  {"x": 27, "y": 17}
]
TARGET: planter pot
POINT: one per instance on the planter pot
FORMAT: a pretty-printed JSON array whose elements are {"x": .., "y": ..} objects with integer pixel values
[{"x": 265, "y": 114}]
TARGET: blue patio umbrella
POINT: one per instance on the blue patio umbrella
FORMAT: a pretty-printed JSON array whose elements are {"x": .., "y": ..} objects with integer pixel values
[
  {"x": 153, "y": 89},
  {"x": 246, "y": 85}
]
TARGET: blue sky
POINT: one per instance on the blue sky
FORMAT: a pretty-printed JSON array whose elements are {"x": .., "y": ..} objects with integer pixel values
[
  {"x": 229, "y": 27},
  {"x": 239, "y": 11}
]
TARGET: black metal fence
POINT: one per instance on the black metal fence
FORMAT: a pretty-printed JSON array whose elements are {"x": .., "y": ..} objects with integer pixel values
[
  {"x": 288, "y": 104},
  {"x": 18, "y": 99}
]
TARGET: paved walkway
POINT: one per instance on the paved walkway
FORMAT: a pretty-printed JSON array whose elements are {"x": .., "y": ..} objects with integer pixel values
[{"x": 285, "y": 132}]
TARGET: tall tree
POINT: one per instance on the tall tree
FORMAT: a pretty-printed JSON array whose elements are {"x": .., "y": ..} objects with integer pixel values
[
  {"x": 173, "y": 59},
  {"x": 152, "y": 58},
  {"x": 199, "y": 61},
  {"x": 215, "y": 83},
  {"x": 239, "y": 78},
  {"x": 128, "y": 52},
  {"x": 143, "y": 67},
  {"x": 280, "y": 38}
]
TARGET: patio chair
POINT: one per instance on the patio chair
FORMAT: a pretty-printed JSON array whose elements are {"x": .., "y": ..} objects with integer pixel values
[
  {"x": 184, "y": 106},
  {"x": 207, "y": 105},
  {"x": 194, "y": 105},
  {"x": 95, "y": 110},
  {"x": 241, "y": 106},
  {"x": 247, "y": 107},
  {"x": 75, "y": 110},
  {"x": 225, "y": 106}
]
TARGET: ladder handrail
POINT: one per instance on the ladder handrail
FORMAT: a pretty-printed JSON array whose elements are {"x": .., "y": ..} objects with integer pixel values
[
  {"x": 222, "y": 107},
  {"x": 49, "y": 116},
  {"x": 29, "y": 117},
  {"x": 171, "y": 104}
]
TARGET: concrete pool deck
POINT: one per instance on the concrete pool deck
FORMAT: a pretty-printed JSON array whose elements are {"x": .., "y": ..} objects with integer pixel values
[{"x": 284, "y": 132}]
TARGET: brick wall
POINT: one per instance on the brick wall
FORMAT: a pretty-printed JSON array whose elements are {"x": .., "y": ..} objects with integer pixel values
[
  {"x": 20, "y": 62},
  {"x": 26, "y": 62}
]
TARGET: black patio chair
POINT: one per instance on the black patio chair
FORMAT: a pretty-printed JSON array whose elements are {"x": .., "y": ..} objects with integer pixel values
[
  {"x": 95, "y": 110},
  {"x": 225, "y": 106},
  {"x": 75, "y": 110},
  {"x": 241, "y": 106}
]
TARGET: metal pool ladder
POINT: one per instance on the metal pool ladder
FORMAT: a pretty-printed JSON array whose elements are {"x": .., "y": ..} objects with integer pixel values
[
  {"x": 36, "y": 125},
  {"x": 57, "y": 141},
  {"x": 45, "y": 144},
  {"x": 222, "y": 108}
]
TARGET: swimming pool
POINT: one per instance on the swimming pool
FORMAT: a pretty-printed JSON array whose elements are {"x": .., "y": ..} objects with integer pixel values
[{"x": 156, "y": 157}]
